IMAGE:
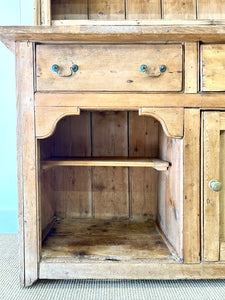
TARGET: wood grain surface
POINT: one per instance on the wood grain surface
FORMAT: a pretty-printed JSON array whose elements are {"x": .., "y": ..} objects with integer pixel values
[{"x": 117, "y": 61}]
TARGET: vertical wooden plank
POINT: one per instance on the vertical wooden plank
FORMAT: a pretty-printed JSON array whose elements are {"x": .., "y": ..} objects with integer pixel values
[
  {"x": 191, "y": 67},
  {"x": 211, "y": 9},
  {"x": 69, "y": 10},
  {"x": 46, "y": 18},
  {"x": 109, "y": 134},
  {"x": 73, "y": 136},
  {"x": 173, "y": 9},
  {"x": 110, "y": 193},
  {"x": 72, "y": 192},
  {"x": 143, "y": 142},
  {"x": 211, "y": 198},
  {"x": 27, "y": 176},
  {"x": 191, "y": 244},
  {"x": 107, "y": 10},
  {"x": 37, "y": 12},
  {"x": 72, "y": 188},
  {"x": 110, "y": 184},
  {"x": 170, "y": 189},
  {"x": 222, "y": 179},
  {"x": 143, "y": 9}
]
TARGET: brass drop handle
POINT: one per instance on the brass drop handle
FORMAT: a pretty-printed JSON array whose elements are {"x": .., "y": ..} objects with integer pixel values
[
  {"x": 73, "y": 69},
  {"x": 215, "y": 185},
  {"x": 145, "y": 69}
]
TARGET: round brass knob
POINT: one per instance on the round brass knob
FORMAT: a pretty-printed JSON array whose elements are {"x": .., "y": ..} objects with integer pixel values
[{"x": 215, "y": 185}]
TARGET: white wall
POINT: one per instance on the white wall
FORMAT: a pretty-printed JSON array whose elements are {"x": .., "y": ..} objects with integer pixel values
[{"x": 12, "y": 12}]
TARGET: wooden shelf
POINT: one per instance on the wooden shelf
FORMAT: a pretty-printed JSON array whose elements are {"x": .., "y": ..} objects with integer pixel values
[
  {"x": 105, "y": 240},
  {"x": 154, "y": 163}
]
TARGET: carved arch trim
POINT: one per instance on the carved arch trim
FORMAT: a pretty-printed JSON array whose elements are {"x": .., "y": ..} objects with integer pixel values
[
  {"x": 171, "y": 119},
  {"x": 46, "y": 118}
]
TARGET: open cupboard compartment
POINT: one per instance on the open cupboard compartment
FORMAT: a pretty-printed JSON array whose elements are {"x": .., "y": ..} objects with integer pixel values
[
  {"x": 105, "y": 10},
  {"x": 63, "y": 12},
  {"x": 111, "y": 189}
]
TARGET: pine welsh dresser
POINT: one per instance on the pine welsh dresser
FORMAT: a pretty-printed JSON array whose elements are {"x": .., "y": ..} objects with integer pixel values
[{"x": 121, "y": 139}]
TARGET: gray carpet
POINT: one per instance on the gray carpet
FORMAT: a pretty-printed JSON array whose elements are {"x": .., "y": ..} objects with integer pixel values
[{"x": 95, "y": 289}]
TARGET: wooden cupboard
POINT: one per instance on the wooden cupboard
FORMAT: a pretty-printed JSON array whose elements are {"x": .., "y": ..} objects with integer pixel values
[
  {"x": 120, "y": 140},
  {"x": 213, "y": 180}
]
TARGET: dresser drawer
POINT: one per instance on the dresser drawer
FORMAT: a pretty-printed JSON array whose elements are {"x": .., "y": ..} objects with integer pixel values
[
  {"x": 109, "y": 67},
  {"x": 213, "y": 67}
]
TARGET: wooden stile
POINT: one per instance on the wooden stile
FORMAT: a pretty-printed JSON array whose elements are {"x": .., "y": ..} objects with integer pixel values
[
  {"x": 191, "y": 189},
  {"x": 29, "y": 225},
  {"x": 191, "y": 67},
  {"x": 46, "y": 16}
]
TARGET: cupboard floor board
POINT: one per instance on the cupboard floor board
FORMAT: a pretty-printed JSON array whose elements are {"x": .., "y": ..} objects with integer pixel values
[{"x": 90, "y": 240}]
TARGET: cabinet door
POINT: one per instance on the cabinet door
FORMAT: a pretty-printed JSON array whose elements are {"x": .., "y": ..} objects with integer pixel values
[{"x": 213, "y": 192}]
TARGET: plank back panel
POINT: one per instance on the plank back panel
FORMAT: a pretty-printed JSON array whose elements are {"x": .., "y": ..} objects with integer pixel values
[
  {"x": 73, "y": 184},
  {"x": 143, "y": 9},
  {"x": 73, "y": 136},
  {"x": 72, "y": 192},
  {"x": 211, "y": 9},
  {"x": 143, "y": 142},
  {"x": 47, "y": 10},
  {"x": 69, "y": 9},
  {"x": 110, "y": 184},
  {"x": 185, "y": 9},
  {"x": 107, "y": 10}
]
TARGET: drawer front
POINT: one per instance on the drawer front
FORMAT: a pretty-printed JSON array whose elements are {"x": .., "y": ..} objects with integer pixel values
[
  {"x": 109, "y": 67},
  {"x": 213, "y": 68}
]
